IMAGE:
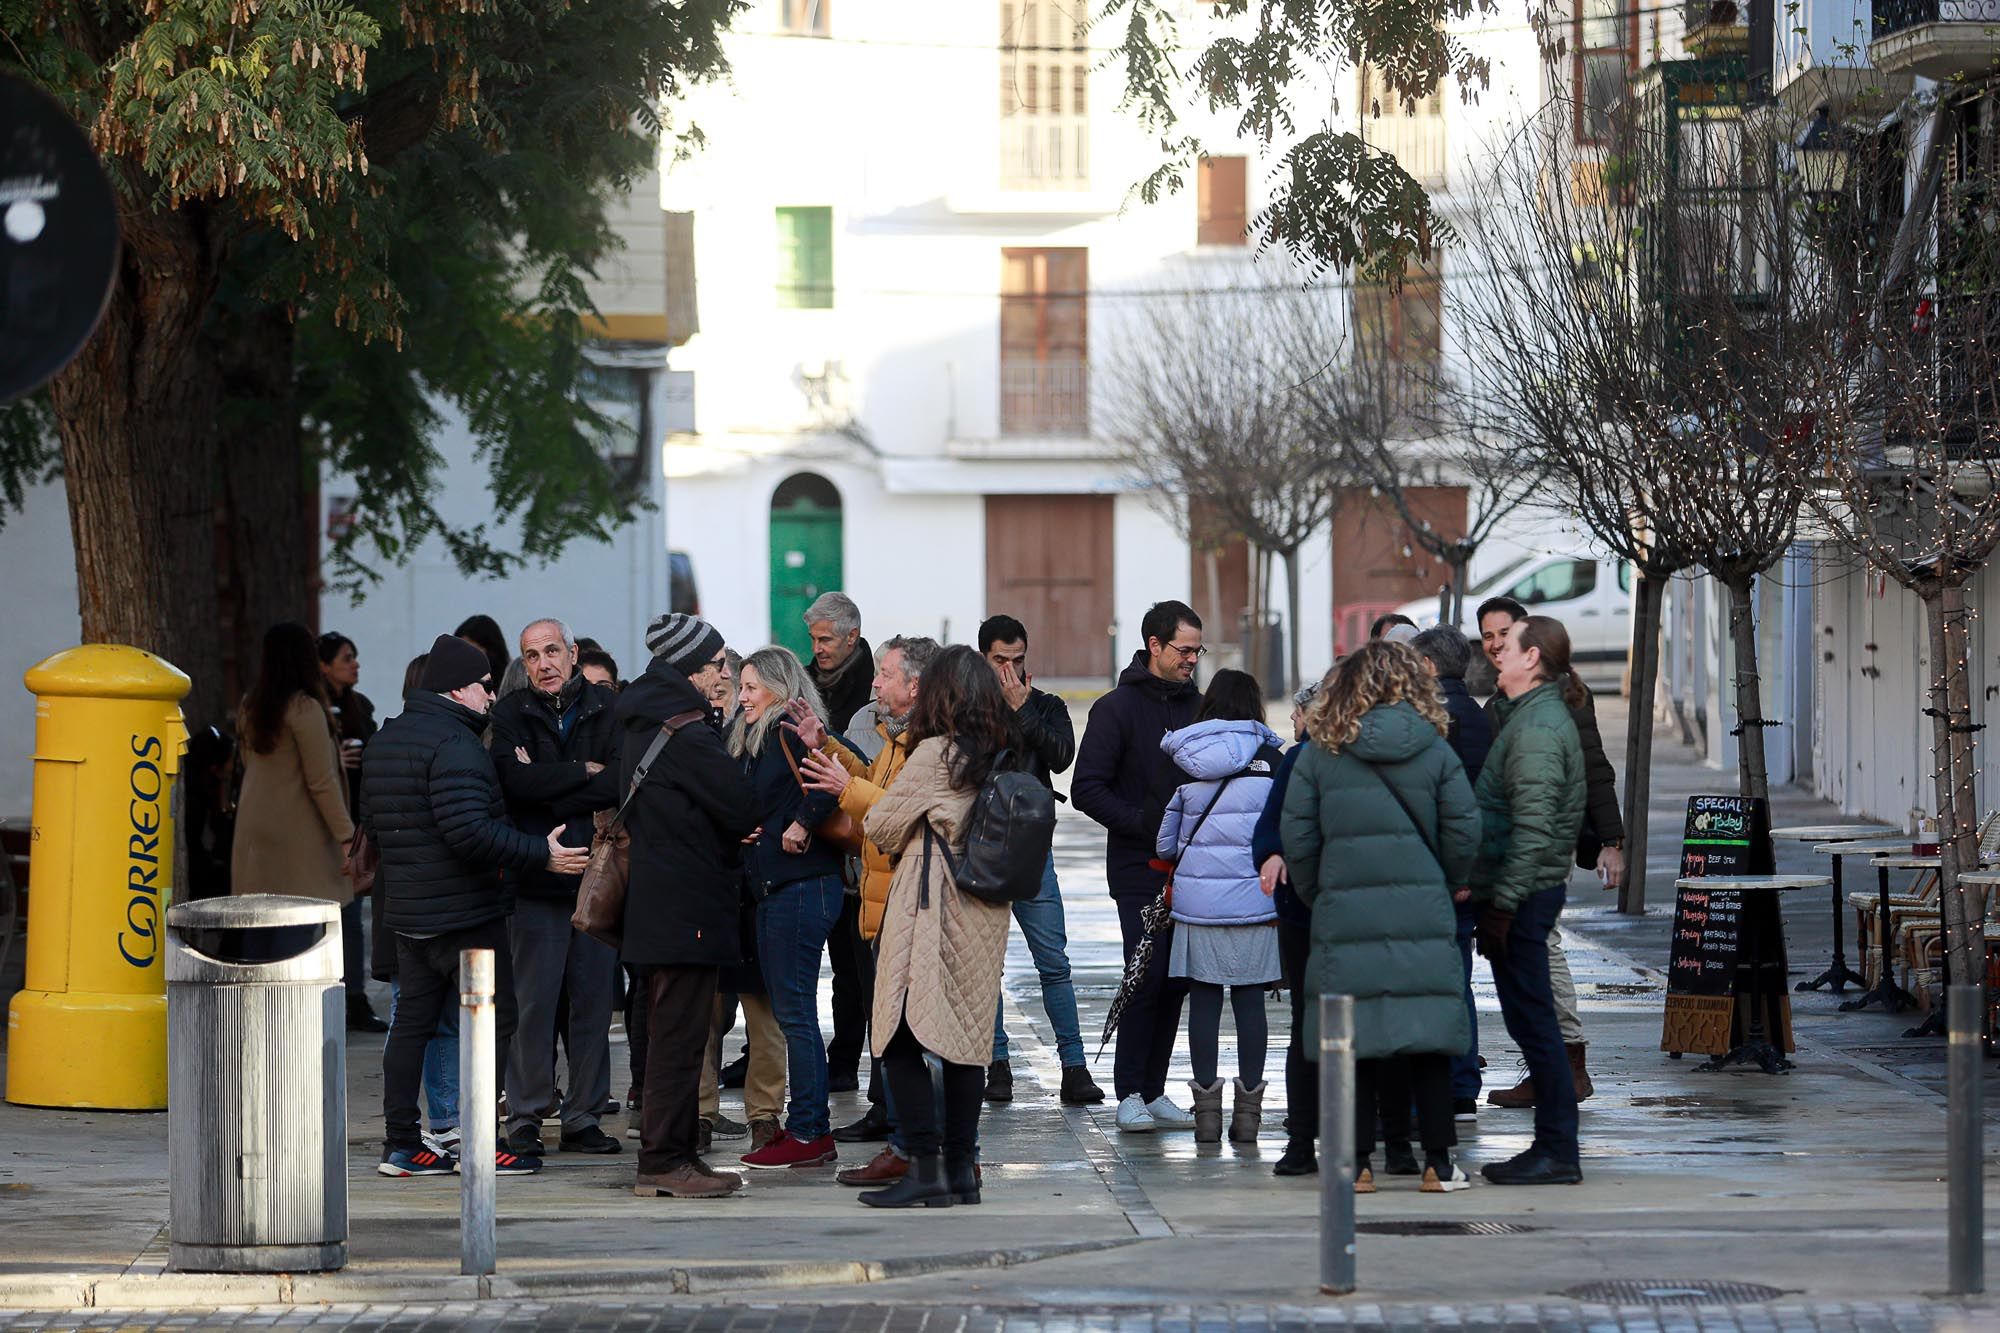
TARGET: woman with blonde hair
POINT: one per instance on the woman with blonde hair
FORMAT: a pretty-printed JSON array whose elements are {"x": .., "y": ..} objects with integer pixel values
[
  {"x": 1380, "y": 830},
  {"x": 796, "y": 879}
]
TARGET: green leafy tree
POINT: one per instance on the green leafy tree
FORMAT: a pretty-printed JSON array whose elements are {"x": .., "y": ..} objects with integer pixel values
[
  {"x": 339, "y": 217},
  {"x": 1338, "y": 201}
]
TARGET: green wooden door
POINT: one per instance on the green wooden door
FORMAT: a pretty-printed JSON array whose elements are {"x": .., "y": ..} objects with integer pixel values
[{"x": 805, "y": 555}]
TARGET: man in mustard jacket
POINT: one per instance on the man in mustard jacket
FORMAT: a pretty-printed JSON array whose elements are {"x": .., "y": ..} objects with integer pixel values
[{"x": 899, "y": 665}]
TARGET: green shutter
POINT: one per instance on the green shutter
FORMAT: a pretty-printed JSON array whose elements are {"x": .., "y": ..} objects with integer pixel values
[{"x": 805, "y": 258}]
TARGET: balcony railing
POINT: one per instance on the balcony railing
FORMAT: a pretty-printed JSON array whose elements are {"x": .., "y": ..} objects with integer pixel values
[
  {"x": 1893, "y": 16},
  {"x": 1044, "y": 398}
]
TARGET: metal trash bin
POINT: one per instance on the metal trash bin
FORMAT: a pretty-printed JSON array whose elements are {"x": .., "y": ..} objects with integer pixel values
[{"x": 256, "y": 1086}]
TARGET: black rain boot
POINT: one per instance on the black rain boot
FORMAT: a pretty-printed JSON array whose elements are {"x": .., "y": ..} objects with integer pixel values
[
  {"x": 962, "y": 1179},
  {"x": 923, "y": 1186}
]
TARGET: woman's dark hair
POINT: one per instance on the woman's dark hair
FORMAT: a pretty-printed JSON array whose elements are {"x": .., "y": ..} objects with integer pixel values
[
  {"x": 1382, "y": 623},
  {"x": 330, "y": 644},
  {"x": 960, "y": 700},
  {"x": 414, "y": 672},
  {"x": 1233, "y": 696},
  {"x": 485, "y": 632},
  {"x": 1547, "y": 636},
  {"x": 290, "y": 666}
]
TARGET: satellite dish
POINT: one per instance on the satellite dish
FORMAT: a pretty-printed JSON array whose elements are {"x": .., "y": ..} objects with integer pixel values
[{"x": 58, "y": 238}]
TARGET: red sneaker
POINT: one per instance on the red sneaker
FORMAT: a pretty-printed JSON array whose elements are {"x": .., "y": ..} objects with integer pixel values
[{"x": 786, "y": 1151}]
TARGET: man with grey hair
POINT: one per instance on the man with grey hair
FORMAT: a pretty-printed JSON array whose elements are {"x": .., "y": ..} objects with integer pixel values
[
  {"x": 556, "y": 750},
  {"x": 843, "y": 670},
  {"x": 842, "y": 665}
]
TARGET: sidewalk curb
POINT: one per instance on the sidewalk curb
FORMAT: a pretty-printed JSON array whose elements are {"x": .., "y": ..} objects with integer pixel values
[{"x": 690, "y": 1278}]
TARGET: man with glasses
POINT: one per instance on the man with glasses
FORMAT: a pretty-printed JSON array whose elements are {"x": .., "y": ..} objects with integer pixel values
[
  {"x": 432, "y": 803},
  {"x": 1124, "y": 782}
]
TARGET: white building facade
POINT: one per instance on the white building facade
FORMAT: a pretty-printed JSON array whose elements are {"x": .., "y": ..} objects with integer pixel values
[{"x": 917, "y": 247}]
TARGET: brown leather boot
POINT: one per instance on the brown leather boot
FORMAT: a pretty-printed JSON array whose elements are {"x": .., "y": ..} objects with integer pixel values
[
  {"x": 687, "y": 1181},
  {"x": 1520, "y": 1097},
  {"x": 1577, "y": 1071},
  {"x": 884, "y": 1168}
]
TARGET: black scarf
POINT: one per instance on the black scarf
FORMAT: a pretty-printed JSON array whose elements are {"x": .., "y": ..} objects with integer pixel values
[{"x": 559, "y": 703}]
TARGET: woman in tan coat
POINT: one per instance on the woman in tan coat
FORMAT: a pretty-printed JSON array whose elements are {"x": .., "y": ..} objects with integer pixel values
[
  {"x": 937, "y": 978},
  {"x": 292, "y": 820}
]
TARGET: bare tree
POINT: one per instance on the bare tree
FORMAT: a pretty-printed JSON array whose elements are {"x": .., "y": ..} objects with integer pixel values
[
  {"x": 1906, "y": 423},
  {"x": 1408, "y": 425},
  {"x": 1201, "y": 398}
]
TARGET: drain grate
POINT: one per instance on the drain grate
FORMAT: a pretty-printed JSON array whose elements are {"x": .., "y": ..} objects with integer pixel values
[
  {"x": 1442, "y": 1228},
  {"x": 1664, "y": 1291}
]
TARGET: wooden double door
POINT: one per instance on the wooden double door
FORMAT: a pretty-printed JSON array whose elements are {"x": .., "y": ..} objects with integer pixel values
[{"x": 1049, "y": 564}]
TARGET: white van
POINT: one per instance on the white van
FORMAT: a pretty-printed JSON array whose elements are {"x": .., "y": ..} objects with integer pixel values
[{"x": 1592, "y": 597}]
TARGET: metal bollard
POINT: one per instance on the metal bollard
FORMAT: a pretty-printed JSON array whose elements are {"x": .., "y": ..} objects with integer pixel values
[
  {"x": 1336, "y": 1144},
  {"x": 1964, "y": 1154},
  {"x": 477, "y": 1100}
]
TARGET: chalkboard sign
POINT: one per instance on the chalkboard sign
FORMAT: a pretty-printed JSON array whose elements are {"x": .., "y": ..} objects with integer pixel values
[
  {"x": 1727, "y": 835},
  {"x": 1702, "y": 960},
  {"x": 1707, "y": 958}
]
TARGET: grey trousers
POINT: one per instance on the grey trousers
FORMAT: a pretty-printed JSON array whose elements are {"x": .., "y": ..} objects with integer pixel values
[
  {"x": 1563, "y": 986},
  {"x": 546, "y": 949}
]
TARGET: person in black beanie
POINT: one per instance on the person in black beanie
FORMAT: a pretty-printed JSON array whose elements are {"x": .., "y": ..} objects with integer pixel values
[
  {"x": 432, "y": 804},
  {"x": 688, "y": 815}
]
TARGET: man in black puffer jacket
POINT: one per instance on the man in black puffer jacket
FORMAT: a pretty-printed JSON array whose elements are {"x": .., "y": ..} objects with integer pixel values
[
  {"x": 432, "y": 804},
  {"x": 687, "y": 819},
  {"x": 1124, "y": 781},
  {"x": 557, "y": 753}
]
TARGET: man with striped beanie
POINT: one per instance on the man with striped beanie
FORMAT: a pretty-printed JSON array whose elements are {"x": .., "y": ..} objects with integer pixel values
[{"x": 687, "y": 815}]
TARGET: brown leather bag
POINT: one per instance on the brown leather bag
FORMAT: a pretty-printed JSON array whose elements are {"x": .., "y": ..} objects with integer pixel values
[
  {"x": 361, "y": 861},
  {"x": 837, "y": 828},
  {"x": 600, "y": 898}
]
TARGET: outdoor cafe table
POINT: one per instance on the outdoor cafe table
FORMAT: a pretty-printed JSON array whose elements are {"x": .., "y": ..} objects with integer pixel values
[
  {"x": 1874, "y": 850},
  {"x": 1765, "y": 957},
  {"x": 1837, "y": 973}
]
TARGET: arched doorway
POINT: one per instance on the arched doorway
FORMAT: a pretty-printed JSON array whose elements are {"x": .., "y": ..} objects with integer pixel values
[{"x": 805, "y": 554}]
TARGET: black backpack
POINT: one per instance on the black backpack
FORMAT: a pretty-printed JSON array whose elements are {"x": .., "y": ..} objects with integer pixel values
[{"x": 1007, "y": 838}]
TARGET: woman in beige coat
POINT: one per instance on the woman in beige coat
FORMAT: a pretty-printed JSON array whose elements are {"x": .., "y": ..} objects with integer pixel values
[
  {"x": 937, "y": 977},
  {"x": 292, "y": 820}
]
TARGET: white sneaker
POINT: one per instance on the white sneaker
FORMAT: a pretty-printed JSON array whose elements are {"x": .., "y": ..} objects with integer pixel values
[
  {"x": 1168, "y": 1116},
  {"x": 445, "y": 1142},
  {"x": 1134, "y": 1117},
  {"x": 632, "y": 1131},
  {"x": 1450, "y": 1183}
]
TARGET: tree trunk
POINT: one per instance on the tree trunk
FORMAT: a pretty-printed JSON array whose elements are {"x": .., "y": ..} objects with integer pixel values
[
  {"x": 265, "y": 564},
  {"x": 1951, "y": 761},
  {"x": 1292, "y": 678},
  {"x": 1458, "y": 570},
  {"x": 1639, "y": 741},
  {"x": 1751, "y": 775},
  {"x": 135, "y": 415}
]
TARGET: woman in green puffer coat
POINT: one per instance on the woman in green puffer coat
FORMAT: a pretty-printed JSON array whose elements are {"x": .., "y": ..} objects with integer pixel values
[
  {"x": 1380, "y": 829},
  {"x": 1531, "y": 796}
]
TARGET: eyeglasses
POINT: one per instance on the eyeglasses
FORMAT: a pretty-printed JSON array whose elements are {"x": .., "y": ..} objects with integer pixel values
[
  {"x": 487, "y": 685},
  {"x": 1188, "y": 654}
]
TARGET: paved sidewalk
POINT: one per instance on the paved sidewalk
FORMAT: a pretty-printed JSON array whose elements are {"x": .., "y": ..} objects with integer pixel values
[{"x": 1822, "y": 1184}]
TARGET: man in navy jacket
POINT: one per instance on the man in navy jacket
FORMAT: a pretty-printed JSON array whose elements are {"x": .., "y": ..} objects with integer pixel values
[{"x": 1124, "y": 782}]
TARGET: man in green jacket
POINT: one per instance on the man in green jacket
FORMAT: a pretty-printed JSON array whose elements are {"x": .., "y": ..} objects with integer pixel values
[
  {"x": 1531, "y": 795},
  {"x": 1600, "y": 845}
]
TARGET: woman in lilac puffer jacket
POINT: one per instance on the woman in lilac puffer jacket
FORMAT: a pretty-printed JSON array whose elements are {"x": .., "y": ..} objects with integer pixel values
[{"x": 1225, "y": 925}]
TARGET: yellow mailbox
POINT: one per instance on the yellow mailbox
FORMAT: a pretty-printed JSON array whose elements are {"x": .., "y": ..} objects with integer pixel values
[{"x": 89, "y": 1027}]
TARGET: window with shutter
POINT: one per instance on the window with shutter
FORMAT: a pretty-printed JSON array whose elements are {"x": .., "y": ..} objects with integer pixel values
[
  {"x": 1044, "y": 95},
  {"x": 805, "y": 258},
  {"x": 1222, "y": 201},
  {"x": 1044, "y": 341}
]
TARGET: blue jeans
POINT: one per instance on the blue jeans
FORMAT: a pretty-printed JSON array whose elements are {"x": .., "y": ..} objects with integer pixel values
[
  {"x": 1465, "y": 1068},
  {"x": 1042, "y": 926},
  {"x": 440, "y": 1064},
  {"x": 1528, "y": 1004},
  {"x": 792, "y": 929}
]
